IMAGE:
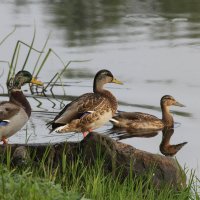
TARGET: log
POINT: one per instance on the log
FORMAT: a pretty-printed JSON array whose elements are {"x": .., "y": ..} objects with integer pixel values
[{"x": 119, "y": 158}]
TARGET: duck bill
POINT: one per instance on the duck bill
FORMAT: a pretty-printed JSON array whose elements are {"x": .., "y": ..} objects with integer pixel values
[
  {"x": 117, "y": 81},
  {"x": 179, "y": 104},
  {"x": 36, "y": 82}
]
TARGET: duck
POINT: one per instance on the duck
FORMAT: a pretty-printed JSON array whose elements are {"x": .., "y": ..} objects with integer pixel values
[
  {"x": 89, "y": 111},
  {"x": 143, "y": 121},
  {"x": 15, "y": 113},
  {"x": 165, "y": 147}
]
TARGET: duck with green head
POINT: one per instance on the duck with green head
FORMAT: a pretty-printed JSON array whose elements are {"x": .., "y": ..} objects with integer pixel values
[
  {"x": 15, "y": 113},
  {"x": 89, "y": 111}
]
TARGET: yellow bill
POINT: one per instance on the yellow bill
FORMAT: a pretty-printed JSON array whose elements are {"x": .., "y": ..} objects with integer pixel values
[
  {"x": 117, "y": 81},
  {"x": 36, "y": 82}
]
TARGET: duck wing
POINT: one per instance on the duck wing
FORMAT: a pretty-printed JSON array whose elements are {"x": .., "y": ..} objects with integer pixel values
[
  {"x": 7, "y": 110},
  {"x": 136, "y": 116},
  {"x": 85, "y": 104}
]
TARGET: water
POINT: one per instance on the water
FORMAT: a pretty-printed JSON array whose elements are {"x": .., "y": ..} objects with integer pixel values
[{"x": 152, "y": 46}]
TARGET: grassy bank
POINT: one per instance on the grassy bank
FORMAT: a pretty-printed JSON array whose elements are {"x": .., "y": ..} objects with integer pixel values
[
  {"x": 15, "y": 185},
  {"x": 75, "y": 180}
]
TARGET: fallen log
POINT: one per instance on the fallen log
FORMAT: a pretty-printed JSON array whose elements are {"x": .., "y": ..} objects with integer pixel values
[{"x": 119, "y": 158}]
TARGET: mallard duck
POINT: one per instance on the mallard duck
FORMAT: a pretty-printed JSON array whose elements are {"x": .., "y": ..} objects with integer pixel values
[
  {"x": 165, "y": 147},
  {"x": 15, "y": 113},
  {"x": 89, "y": 111},
  {"x": 138, "y": 120}
]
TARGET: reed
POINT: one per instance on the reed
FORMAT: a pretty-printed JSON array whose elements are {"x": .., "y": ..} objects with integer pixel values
[
  {"x": 43, "y": 56},
  {"x": 7, "y": 36}
]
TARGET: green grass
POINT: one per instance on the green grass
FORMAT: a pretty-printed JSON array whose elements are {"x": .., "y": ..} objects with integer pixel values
[
  {"x": 76, "y": 180},
  {"x": 23, "y": 185}
]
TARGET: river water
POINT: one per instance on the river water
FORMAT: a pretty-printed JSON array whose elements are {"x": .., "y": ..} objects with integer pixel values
[{"x": 152, "y": 46}]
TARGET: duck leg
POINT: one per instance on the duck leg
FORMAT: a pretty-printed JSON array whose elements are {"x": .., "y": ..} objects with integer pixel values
[
  {"x": 3, "y": 139},
  {"x": 86, "y": 133}
]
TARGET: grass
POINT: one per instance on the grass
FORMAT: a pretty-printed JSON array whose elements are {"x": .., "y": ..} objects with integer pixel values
[
  {"x": 7, "y": 36},
  {"x": 23, "y": 185},
  {"x": 78, "y": 180}
]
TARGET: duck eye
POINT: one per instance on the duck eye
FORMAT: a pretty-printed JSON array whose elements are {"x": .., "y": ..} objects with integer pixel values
[{"x": 7, "y": 109}]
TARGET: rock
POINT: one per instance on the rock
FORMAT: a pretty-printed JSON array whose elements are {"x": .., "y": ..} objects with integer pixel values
[{"x": 119, "y": 158}]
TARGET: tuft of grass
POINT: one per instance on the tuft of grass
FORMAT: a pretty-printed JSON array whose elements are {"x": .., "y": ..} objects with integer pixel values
[
  {"x": 75, "y": 179},
  {"x": 14, "y": 186}
]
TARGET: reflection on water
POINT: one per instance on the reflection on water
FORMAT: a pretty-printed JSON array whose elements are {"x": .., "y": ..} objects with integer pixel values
[
  {"x": 88, "y": 22},
  {"x": 79, "y": 73},
  {"x": 84, "y": 21},
  {"x": 165, "y": 147},
  {"x": 121, "y": 133}
]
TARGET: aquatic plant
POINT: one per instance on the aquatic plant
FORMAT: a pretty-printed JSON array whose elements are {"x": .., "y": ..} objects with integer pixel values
[{"x": 39, "y": 65}]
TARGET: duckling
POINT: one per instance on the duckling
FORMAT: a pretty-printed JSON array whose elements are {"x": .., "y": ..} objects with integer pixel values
[
  {"x": 15, "y": 113},
  {"x": 165, "y": 147},
  {"x": 89, "y": 111},
  {"x": 142, "y": 121}
]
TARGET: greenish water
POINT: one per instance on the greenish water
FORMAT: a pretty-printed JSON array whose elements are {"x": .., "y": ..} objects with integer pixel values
[{"x": 152, "y": 46}]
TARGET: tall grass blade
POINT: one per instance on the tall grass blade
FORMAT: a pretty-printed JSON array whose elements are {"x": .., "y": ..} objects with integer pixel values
[
  {"x": 43, "y": 62},
  {"x": 64, "y": 69},
  {"x": 7, "y": 36},
  {"x": 30, "y": 49},
  {"x": 13, "y": 57},
  {"x": 8, "y": 156},
  {"x": 49, "y": 83},
  {"x": 45, "y": 44},
  {"x": 16, "y": 60}
]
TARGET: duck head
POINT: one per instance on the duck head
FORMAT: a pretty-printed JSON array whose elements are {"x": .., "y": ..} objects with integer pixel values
[
  {"x": 168, "y": 100},
  {"x": 23, "y": 77},
  {"x": 102, "y": 77}
]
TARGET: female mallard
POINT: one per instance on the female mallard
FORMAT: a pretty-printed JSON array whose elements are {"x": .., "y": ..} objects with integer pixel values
[
  {"x": 138, "y": 120},
  {"x": 15, "y": 113},
  {"x": 89, "y": 111}
]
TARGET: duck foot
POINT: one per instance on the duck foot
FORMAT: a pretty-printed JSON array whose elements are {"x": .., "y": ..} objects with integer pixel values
[
  {"x": 3, "y": 139},
  {"x": 86, "y": 133}
]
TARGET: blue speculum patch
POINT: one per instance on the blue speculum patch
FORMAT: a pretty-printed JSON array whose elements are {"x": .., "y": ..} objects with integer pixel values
[
  {"x": 4, "y": 123},
  {"x": 84, "y": 114}
]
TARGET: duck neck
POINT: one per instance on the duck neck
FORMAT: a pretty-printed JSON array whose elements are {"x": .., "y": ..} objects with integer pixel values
[
  {"x": 166, "y": 116},
  {"x": 17, "y": 97},
  {"x": 98, "y": 88}
]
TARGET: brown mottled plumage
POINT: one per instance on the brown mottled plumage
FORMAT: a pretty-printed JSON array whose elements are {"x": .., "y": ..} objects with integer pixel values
[
  {"x": 138, "y": 120},
  {"x": 90, "y": 110},
  {"x": 15, "y": 113}
]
